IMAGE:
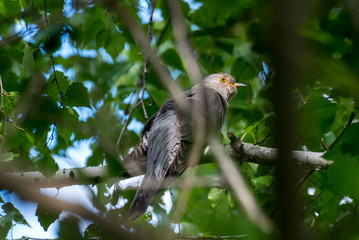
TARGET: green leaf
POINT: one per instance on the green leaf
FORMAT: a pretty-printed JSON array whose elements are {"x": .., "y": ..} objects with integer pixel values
[
  {"x": 114, "y": 45},
  {"x": 69, "y": 228},
  {"x": 6, "y": 157},
  {"x": 18, "y": 217},
  {"x": 97, "y": 156},
  {"x": 221, "y": 200},
  {"x": 316, "y": 118},
  {"x": 28, "y": 61},
  {"x": 62, "y": 80},
  {"x": 6, "y": 224},
  {"x": 47, "y": 164},
  {"x": 171, "y": 58},
  {"x": 52, "y": 6},
  {"x": 10, "y": 8},
  {"x": 346, "y": 165},
  {"x": 45, "y": 217},
  {"x": 77, "y": 95},
  {"x": 262, "y": 181}
]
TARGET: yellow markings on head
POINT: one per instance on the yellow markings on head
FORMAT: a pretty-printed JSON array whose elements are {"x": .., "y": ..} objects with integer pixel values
[{"x": 223, "y": 79}]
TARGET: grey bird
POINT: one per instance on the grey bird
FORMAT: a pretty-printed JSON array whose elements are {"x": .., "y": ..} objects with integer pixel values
[{"x": 163, "y": 151}]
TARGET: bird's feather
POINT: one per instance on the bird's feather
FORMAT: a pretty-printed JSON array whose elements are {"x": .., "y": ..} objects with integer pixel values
[{"x": 167, "y": 140}]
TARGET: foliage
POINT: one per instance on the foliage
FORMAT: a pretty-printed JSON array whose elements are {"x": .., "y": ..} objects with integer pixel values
[{"x": 98, "y": 81}]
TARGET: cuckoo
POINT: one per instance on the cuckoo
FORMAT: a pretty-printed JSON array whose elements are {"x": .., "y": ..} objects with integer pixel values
[{"x": 163, "y": 151}]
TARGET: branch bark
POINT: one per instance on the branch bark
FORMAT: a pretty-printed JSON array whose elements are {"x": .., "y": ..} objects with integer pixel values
[{"x": 252, "y": 153}]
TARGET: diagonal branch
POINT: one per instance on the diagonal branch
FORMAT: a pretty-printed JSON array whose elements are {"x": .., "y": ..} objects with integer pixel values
[
  {"x": 239, "y": 187},
  {"x": 137, "y": 33},
  {"x": 52, "y": 59},
  {"x": 26, "y": 191},
  {"x": 146, "y": 59},
  {"x": 126, "y": 122},
  {"x": 4, "y": 112}
]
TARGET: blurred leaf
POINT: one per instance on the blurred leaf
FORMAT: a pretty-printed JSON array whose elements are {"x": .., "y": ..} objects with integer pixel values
[
  {"x": 5, "y": 157},
  {"x": 114, "y": 45},
  {"x": 63, "y": 82},
  {"x": 28, "y": 61},
  {"x": 77, "y": 95},
  {"x": 18, "y": 217},
  {"x": 47, "y": 164},
  {"x": 69, "y": 228},
  {"x": 262, "y": 181},
  {"x": 10, "y": 9},
  {"x": 316, "y": 118}
]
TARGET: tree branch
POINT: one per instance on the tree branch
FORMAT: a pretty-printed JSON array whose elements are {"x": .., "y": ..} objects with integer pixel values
[
  {"x": 93, "y": 175},
  {"x": 4, "y": 112},
  {"x": 52, "y": 59},
  {"x": 26, "y": 191}
]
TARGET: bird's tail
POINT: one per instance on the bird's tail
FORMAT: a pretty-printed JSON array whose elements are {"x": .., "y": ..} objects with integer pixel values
[{"x": 143, "y": 198}]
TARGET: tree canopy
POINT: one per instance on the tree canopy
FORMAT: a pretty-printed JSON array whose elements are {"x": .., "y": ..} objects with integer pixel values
[{"x": 98, "y": 70}]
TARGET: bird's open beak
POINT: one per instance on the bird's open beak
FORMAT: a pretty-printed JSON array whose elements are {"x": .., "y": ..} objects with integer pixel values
[{"x": 237, "y": 85}]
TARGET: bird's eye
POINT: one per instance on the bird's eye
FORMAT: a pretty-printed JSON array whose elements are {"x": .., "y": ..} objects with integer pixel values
[{"x": 223, "y": 79}]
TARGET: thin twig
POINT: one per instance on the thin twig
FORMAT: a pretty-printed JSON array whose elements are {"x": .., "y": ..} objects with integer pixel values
[
  {"x": 263, "y": 139},
  {"x": 312, "y": 199},
  {"x": 239, "y": 187},
  {"x": 324, "y": 145},
  {"x": 4, "y": 112},
  {"x": 213, "y": 237},
  {"x": 152, "y": 99},
  {"x": 304, "y": 178},
  {"x": 52, "y": 59},
  {"x": 351, "y": 118},
  {"x": 146, "y": 57},
  {"x": 125, "y": 125},
  {"x": 175, "y": 212},
  {"x": 162, "y": 34},
  {"x": 51, "y": 136}
]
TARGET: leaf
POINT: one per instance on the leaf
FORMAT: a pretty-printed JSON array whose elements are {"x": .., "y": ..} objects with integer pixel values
[
  {"x": 97, "y": 156},
  {"x": 171, "y": 58},
  {"x": 47, "y": 164},
  {"x": 221, "y": 200},
  {"x": 45, "y": 217},
  {"x": 316, "y": 118},
  {"x": 114, "y": 45},
  {"x": 77, "y": 95},
  {"x": 18, "y": 217},
  {"x": 346, "y": 165},
  {"x": 262, "y": 181},
  {"x": 69, "y": 228},
  {"x": 6, "y": 224},
  {"x": 10, "y": 8},
  {"x": 52, "y": 6},
  {"x": 6, "y": 157},
  {"x": 62, "y": 80},
  {"x": 28, "y": 61}
]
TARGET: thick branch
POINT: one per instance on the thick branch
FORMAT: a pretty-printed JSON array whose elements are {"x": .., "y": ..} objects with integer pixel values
[
  {"x": 268, "y": 156},
  {"x": 252, "y": 153}
]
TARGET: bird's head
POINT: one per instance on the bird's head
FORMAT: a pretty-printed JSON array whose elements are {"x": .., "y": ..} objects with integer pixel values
[{"x": 223, "y": 83}]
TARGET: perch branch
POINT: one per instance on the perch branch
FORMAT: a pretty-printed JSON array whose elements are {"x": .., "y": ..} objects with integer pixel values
[{"x": 93, "y": 175}]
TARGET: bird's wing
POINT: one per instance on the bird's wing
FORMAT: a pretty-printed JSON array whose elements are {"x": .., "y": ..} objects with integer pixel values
[
  {"x": 135, "y": 162},
  {"x": 165, "y": 151},
  {"x": 169, "y": 145}
]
